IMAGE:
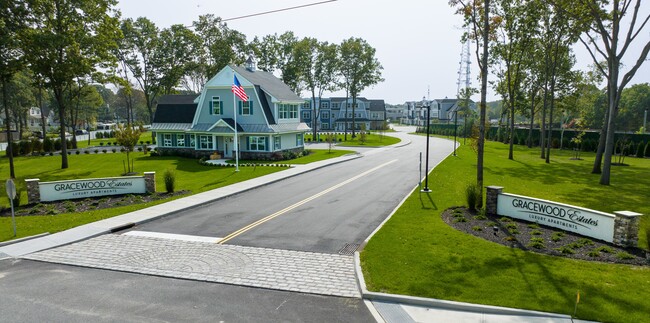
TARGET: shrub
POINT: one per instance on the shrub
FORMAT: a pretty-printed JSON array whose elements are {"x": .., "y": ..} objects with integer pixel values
[
  {"x": 99, "y": 135},
  {"x": 605, "y": 249},
  {"x": 565, "y": 250},
  {"x": 624, "y": 256},
  {"x": 477, "y": 228},
  {"x": 533, "y": 226},
  {"x": 480, "y": 217},
  {"x": 86, "y": 152},
  {"x": 37, "y": 145},
  {"x": 557, "y": 236},
  {"x": 594, "y": 253},
  {"x": 639, "y": 150},
  {"x": 101, "y": 143},
  {"x": 461, "y": 219},
  {"x": 537, "y": 243},
  {"x": 96, "y": 151},
  {"x": 57, "y": 144},
  {"x": 511, "y": 226},
  {"x": 535, "y": 232},
  {"x": 170, "y": 180},
  {"x": 104, "y": 151},
  {"x": 510, "y": 238},
  {"x": 472, "y": 195},
  {"x": 113, "y": 150},
  {"x": 505, "y": 219},
  {"x": 77, "y": 152},
  {"x": 48, "y": 145},
  {"x": 585, "y": 242}
]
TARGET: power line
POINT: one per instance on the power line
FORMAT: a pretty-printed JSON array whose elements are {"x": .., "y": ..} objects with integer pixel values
[{"x": 279, "y": 10}]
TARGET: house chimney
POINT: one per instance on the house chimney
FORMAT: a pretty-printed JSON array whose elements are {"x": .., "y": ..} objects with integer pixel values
[{"x": 251, "y": 64}]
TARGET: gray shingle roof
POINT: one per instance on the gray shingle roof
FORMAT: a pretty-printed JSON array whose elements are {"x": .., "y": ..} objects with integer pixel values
[
  {"x": 377, "y": 105},
  {"x": 170, "y": 126},
  {"x": 269, "y": 83}
]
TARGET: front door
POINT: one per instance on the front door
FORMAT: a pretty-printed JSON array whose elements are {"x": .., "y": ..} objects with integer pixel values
[{"x": 227, "y": 149}]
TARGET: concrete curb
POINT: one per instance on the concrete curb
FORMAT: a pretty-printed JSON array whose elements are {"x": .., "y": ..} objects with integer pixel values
[
  {"x": 6, "y": 243},
  {"x": 443, "y": 304}
]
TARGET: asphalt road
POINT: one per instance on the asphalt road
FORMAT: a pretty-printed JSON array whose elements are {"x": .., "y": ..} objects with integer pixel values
[
  {"x": 42, "y": 292},
  {"x": 320, "y": 211}
]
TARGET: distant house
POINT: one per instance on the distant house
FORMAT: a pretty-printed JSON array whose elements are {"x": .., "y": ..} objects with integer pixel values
[
  {"x": 334, "y": 117},
  {"x": 267, "y": 125},
  {"x": 34, "y": 120},
  {"x": 442, "y": 110}
]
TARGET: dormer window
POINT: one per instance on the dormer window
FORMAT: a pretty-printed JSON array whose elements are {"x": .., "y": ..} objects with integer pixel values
[{"x": 251, "y": 63}]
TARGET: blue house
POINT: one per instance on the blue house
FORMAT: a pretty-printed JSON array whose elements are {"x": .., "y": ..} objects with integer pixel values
[
  {"x": 268, "y": 124},
  {"x": 333, "y": 115}
]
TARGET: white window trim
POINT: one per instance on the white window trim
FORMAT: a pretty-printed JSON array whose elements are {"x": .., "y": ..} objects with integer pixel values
[{"x": 217, "y": 100}]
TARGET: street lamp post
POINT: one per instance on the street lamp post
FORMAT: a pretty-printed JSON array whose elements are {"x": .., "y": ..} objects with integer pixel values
[
  {"x": 455, "y": 128},
  {"x": 426, "y": 165},
  {"x": 645, "y": 117}
]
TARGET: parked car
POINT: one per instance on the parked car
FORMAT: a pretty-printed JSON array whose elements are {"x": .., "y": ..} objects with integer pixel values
[
  {"x": 81, "y": 132},
  {"x": 37, "y": 134}
]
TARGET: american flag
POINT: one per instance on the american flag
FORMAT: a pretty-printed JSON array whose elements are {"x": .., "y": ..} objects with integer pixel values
[{"x": 239, "y": 90}]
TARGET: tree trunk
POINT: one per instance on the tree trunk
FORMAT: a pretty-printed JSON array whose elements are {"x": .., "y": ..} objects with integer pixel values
[
  {"x": 481, "y": 135},
  {"x": 314, "y": 115},
  {"x": 345, "y": 118},
  {"x": 512, "y": 130},
  {"x": 598, "y": 161},
  {"x": 354, "y": 128},
  {"x": 58, "y": 94},
  {"x": 609, "y": 138},
  {"x": 550, "y": 122},
  {"x": 12, "y": 174},
  {"x": 40, "y": 105},
  {"x": 532, "y": 120}
]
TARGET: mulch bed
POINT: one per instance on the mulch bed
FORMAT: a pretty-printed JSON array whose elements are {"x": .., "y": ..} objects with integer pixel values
[
  {"x": 86, "y": 204},
  {"x": 533, "y": 237}
]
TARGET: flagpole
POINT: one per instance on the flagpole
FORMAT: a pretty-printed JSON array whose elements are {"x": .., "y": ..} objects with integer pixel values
[{"x": 234, "y": 109}]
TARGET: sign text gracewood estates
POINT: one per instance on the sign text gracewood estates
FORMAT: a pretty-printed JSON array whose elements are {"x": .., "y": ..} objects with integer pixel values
[
  {"x": 82, "y": 188},
  {"x": 583, "y": 221}
]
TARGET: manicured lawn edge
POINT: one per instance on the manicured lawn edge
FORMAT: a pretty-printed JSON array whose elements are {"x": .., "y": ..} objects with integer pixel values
[{"x": 416, "y": 253}]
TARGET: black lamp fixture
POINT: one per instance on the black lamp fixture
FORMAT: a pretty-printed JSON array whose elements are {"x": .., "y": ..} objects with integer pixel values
[{"x": 426, "y": 104}]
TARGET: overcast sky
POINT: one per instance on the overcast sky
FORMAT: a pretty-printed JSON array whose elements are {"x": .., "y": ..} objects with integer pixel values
[{"x": 417, "y": 41}]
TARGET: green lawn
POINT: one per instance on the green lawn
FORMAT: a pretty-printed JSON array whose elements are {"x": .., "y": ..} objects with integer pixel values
[
  {"x": 373, "y": 139},
  {"x": 314, "y": 155},
  {"x": 416, "y": 253},
  {"x": 190, "y": 175},
  {"x": 144, "y": 137}
]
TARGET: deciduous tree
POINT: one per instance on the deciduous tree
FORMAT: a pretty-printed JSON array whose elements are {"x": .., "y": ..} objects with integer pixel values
[
  {"x": 360, "y": 69},
  {"x": 71, "y": 39}
]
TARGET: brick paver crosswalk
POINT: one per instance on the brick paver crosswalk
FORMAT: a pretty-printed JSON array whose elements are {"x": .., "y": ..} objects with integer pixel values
[{"x": 298, "y": 271}]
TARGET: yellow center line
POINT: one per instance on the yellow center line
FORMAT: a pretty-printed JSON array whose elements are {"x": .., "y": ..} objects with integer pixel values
[{"x": 298, "y": 204}]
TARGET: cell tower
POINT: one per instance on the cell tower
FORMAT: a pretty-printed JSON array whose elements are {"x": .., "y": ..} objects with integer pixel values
[{"x": 464, "y": 67}]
